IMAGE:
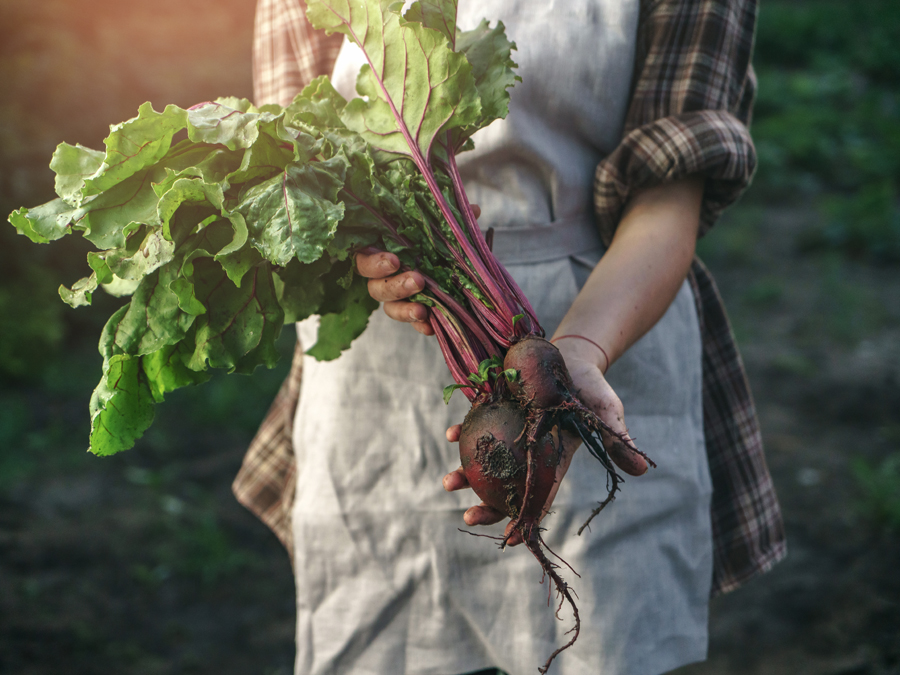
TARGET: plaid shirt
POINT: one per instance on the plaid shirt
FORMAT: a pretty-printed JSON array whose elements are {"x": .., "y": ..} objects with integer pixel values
[{"x": 692, "y": 95}]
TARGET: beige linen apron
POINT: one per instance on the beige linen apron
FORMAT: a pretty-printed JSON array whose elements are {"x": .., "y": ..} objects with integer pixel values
[{"x": 386, "y": 584}]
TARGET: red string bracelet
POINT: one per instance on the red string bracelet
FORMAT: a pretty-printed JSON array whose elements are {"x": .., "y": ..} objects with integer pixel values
[{"x": 581, "y": 337}]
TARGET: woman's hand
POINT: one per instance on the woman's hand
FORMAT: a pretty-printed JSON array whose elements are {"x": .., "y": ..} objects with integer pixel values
[
  {"x": 585, "y": 363},
  {"x": 392, "y": 289}
]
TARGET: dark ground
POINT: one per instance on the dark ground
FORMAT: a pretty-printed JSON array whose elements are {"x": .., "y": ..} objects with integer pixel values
[{"x": 143, "y": 563}]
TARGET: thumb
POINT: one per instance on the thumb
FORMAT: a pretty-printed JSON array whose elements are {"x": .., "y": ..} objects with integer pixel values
[{"x": 616, "y": 440}]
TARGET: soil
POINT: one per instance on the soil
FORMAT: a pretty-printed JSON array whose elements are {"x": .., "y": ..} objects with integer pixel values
[{"x": 144, "y": 563}]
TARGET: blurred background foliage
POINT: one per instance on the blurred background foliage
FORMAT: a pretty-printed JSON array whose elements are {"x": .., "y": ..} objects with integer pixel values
[
  {"x": 144, "y": 563},
  {"x": 827, "y": 120}
]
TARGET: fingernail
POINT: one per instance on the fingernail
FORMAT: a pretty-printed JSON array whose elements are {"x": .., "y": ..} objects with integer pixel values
[
  {"x": 411, "y": 284},
  {"x": 386, "y": 264}
]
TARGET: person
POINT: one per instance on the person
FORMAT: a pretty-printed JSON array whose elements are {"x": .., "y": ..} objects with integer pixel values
[{"x": 625, "y": 140}]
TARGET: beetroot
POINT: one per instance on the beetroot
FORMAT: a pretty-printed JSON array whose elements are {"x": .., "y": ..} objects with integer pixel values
[
  {"x": 494, "y": 456},
  {"x": 542, "y": 380}
]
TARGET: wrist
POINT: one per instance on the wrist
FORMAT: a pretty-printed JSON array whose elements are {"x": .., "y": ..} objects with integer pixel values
[{"x": 582, "y": 348}]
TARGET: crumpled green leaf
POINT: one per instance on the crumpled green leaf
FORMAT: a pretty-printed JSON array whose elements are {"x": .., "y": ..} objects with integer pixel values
[
  {"x": 80, "y": 293},
  {"x": 297, "y": 212},
  {"x": 488, "y": 50},
  {"x": 134, "y": 145},
  {"x": 166, "y": 369},
  {"x": 237, "y": 320},
  {"x": 45, "y": 223},
  {"x": 72, "y": 164}
]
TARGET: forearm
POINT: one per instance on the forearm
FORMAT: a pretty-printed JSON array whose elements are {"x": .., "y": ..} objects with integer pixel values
[{"x": 638, "y": 277}]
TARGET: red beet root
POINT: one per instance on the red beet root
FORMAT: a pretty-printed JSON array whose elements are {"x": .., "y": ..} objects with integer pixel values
[
  {"x": 543, "y": 380},
  {"x": 492, "y": 448}
]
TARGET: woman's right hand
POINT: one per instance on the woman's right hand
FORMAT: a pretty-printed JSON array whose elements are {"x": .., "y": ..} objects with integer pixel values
[{"x": 392, "y": 289}]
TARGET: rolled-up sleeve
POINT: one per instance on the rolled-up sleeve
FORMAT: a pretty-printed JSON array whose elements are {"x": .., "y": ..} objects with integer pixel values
[{"x": 690, "y": 109}]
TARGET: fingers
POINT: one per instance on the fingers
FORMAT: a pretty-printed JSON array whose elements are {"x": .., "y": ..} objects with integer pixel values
[
  {"x": 396, "y": 287},
  {"x": 515, "y": 538},
  {"x": 482, "y": 515},
  {"x": 377, "y": 264},
  {"x": 618, "y": 444},
  {"x": 620, "y": 452},
  {"x": 455, "y": 480},
  {"x": 624, "y": 457},
  {"x": 407, "y": 312},
  {"x": 423, "y": 327},
  {"x": 392, "y": 289},
  {"x": 477, "y": 515},
  {"x": 385, "y": 285},
  {"x": 454, "y": 432}
]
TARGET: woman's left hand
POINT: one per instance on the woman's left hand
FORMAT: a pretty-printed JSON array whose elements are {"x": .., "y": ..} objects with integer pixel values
[{"x": 595, "y": 392}]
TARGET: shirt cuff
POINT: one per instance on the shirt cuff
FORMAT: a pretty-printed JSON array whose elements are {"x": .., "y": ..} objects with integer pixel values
[{"x": 713, "y": 143}]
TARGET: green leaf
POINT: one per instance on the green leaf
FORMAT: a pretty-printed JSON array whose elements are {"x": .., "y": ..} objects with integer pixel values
[
  {"x": 121, "y": 406},
  {"x": 135, "y": 145},
  {"x": 439, "y": 15},
  {"x": 80, "y": 293},
  {"x": 72, "y": 164},
  {"x": 236, "y": 258},
  {"x": 300, "y": 289},
  {"x": 105, "y": 217},
  {"x": 319, "y": 104},
  {"x": 45, "y": 223},
  {"x": 414, "y": 84},
  {"x": 145, "y": 250},
  {"x": 108, "y": 347},
  {"x": 188, "y": 159},
  {"x": 237, "y": 319},
  {"x": 449, "y": 389},
  {"x": 119, "y": 288},
  {"x": 489, "y": 52},
  {"x": 154, "y": 318},
  {"x": 485, "y": 366},
  {"x": 337, "y": 330},
  {"x": 187, "y": 191},
  {"x": 265, "y": 158},
  {"x": 166, "y": 370},
  {"x": 296, "y": 213},
  {"x": 236, "y": 103},
  {"x": 223, "y": 125}
]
